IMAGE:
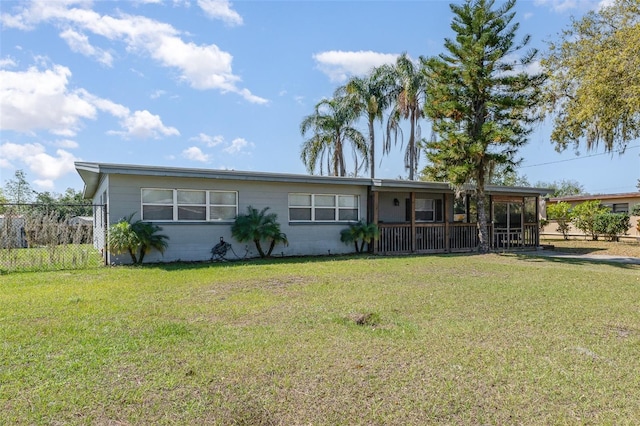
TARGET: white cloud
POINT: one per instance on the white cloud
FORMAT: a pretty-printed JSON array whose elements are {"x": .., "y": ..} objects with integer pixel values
[
  {"x": 565, "y": 5},
  {"x": 7, "y": 63},
  {"x": 238, "y": 145},
  {"x": 66, "y": 143},
  {"x": 210, "y": 141},
  {"x": 220, "y": 9},
  {"x": 34, "y": 100},
  {"x": 340, "y": 65},
  {"x": 201, "y": 66},
  {"x": 557, "y": 5},
  {"x": 157, "y": 94},
  {"x": 43, "y": 165},
  {"x": 105, "y": 105},
  {"x": 143, "y": 125},
  {"x": 80, "y": 43},
  {"x": 44, "y": 184},
  {"x": 194, "y": 153},
  {"x": 605, "y": 3}
]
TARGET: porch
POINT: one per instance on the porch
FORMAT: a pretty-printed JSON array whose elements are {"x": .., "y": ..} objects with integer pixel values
[
  {"x": 450, "y": 238},
  {"x": 437, "y": 222}
]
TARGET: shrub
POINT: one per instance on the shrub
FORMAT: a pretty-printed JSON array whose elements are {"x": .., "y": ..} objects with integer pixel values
[
  {"x": 584, "y": 215},
  {"x": 561, "y": 213},
  {"x": 360, "y": 234},
  {"x": 258, "y": 226},
  {"x": 612, "y": 225},
  {"x": 137, "y": 238},
  {"x": 635, "y": 210}
]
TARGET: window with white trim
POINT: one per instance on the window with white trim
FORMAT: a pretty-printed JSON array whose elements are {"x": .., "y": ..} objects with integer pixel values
[
  {"x": 188, "y": 205},
  {"x": 426, "y": 209},
  {"x": 323, "y": 207}
]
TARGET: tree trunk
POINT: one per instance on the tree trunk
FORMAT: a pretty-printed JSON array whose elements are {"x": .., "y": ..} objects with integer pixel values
[
  {"x": 339, "y": 158},
  {"x": 133, "y": 256},
  {"x": 372, "y": 150},
  {"x": 412, "y": 146},
  {"x": 483, "y": 233},
  {"x": 271, "y": 246},
  {"x": 259, "y": 248}
]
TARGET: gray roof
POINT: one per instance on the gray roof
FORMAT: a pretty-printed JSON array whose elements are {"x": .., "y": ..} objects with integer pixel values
[{"x": 92, "y": 174}]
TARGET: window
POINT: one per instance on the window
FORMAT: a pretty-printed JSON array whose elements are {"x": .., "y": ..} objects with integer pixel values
[
  {"x": 620, "y": 208},
  {"x": 223, "y": 205},
  {"x": 192, "y": 205},
  {"x": 188, "y": 205},
  {"x": 460, "y": 209},
  {"x": 157, "y": 204},
  {"x": 323, "y": 208},
  {"x": 530, "y": 209},
  {"x": 427, "y": 210}
]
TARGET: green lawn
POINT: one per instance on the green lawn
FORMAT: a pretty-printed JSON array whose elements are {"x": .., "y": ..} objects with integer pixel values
[
  {"x": 49, "y": 258},
  {"x": 386, "y": 340}
]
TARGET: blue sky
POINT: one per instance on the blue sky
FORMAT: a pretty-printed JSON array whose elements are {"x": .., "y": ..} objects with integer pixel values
[{"x": 219, "y": 84}]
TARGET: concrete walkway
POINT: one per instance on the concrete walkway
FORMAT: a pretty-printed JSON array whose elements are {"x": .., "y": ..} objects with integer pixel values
[{"x": 590, "y": 257}]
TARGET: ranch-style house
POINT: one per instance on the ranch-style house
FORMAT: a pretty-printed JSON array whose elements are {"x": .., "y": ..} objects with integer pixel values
[{"x": 196, "y": 207}]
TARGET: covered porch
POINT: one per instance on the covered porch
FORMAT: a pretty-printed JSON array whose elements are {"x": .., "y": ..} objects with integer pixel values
[{"x": 430, "y": 219}]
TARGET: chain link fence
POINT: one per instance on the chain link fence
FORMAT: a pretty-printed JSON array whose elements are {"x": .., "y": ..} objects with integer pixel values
[{"x": 39, "y": 237}]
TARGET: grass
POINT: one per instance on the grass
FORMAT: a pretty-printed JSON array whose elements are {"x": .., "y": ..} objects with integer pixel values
[
  {"x": 584, "y": 246},
  {"x": 52, "y": 257},
  {"x": 388, "y": 340}
]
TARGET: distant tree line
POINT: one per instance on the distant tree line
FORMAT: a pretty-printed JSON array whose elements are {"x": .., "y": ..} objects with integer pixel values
[{"x": 18, "y": 193}]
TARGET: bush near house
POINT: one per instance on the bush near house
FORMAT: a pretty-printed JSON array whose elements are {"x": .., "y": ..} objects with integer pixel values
[
  {"x": 561, "y": 213},
  {"x": 136, "y": 238},
  {"x": 612, "y": 225},
  {"x": 584, "y": 215},
  {"x": 258, "y": 226},
  {"x": 360, "y": 234}
]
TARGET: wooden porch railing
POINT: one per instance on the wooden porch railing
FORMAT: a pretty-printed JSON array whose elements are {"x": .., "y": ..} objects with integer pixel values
[
  {"x": 432, "y": 237},
  {"x": 394, "y": 238}
]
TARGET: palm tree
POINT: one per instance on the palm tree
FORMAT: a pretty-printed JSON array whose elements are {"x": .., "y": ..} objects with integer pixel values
[
  {"x": 331, "y": 124},
  {"x": 363, "y": 233},
  {"x": 137, "y": 238},
  {"x": 258, "y": 226},
  {"x": 148, "y": 238},
  {"x": 368, "y": 95},
  {"x": 407, "y": 97}
]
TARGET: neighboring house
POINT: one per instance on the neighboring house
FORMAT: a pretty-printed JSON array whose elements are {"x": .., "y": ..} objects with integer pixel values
[
  {"x": 196, "y": 207},
  {"x": 618, "y": 203},
  {"x": 81, "y": 221}
]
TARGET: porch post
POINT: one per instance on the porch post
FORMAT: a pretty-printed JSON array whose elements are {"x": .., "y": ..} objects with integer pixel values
[
  {"x": 445, "y": 215},
  {"x": 412, "y": 197},
  {"x": 538, "y": 221},
  {"x": 374, "y": 214},
  {"x": 522, "y": 227}
]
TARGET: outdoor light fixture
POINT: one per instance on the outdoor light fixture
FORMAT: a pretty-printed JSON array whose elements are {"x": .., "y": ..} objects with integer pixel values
[{"x": 396, "y": 202}]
